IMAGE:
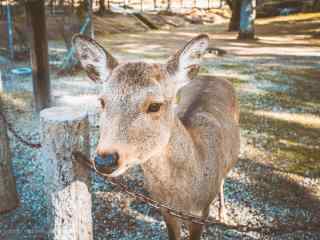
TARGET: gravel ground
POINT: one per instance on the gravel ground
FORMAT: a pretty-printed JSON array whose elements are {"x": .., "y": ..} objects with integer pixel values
[{"x": 276, "y": 180}]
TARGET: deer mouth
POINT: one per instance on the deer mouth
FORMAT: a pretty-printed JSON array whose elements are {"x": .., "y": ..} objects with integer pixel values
[
  {"x": 106, "y": 164},
  {"x": 90, "y": 163},
  {"x": 109, "y": 170}
]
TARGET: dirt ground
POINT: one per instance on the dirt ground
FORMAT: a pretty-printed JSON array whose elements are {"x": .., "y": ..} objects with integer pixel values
[{"x": 277, "y": 178}]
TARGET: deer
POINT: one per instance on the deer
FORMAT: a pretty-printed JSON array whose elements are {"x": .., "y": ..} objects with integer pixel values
[{"x": 182, "y": 128}]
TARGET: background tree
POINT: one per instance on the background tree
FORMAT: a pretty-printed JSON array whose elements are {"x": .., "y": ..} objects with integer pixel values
[
  {"x": 36, "y": 18},
  {"x": 316, "y": 5},
  {"x": 169, "y": 5},
  {"x": 247, "y": 17},
  {"x": 102, "y": 6},
  {"x": 235, "y": 6}
]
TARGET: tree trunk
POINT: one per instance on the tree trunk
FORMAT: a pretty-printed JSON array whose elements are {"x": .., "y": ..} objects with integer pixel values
[
  {"x": 169, "y": 6},
  {"x": 154, "y": 4},
  {"x": 8, "y": 194},
  {"x": 315, "y": 5},
  {"x": 63, "y": 131},
  {"x": 141, "y": 5},
  {"x": 235, "y": 6},
  {"x": 39, "y": 53},
  {"x": 90, "y": 13},
  {"x": 248, "y": 15},
  {"x": 102, "y": 6}
]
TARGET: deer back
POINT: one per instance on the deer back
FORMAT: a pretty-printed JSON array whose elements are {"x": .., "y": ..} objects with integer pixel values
[{"x": 216, "y": 98}]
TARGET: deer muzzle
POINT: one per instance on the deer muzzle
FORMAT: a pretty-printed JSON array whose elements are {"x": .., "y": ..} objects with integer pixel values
[{"x": 106, "y": 163}]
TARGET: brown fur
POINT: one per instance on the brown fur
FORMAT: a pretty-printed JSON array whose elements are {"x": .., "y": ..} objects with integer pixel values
[{"x": 185, "y": 149}]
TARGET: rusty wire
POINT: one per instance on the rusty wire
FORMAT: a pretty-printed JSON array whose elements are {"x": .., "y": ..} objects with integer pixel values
[
  {"x": 16, "y": 135},
  {"x": 281, "y": 228},
  {"x": 264, "y": 229}
]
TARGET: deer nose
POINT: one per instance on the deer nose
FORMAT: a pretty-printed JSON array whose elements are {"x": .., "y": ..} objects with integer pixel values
[{"x": 107, "y": 162}]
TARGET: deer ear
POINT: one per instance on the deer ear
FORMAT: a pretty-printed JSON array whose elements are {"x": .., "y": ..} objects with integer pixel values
[
  {"x": 95, "y": 60},
  {"x": 187, "y": 60}
]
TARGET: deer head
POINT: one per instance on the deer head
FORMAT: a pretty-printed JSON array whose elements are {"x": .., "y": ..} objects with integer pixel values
[{"x": 137, "y": 101}]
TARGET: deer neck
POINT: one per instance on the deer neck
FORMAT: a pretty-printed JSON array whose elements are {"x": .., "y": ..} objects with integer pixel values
[
  {"x": 178, "y": 157},
  {"x": 181, "y": 147},
  {"x": 173, "y": 174}
]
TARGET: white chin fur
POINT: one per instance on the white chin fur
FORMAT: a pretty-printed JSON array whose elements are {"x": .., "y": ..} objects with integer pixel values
[
  {"x": 118, "y": 172},
  {"x": 124, "y": 168}
]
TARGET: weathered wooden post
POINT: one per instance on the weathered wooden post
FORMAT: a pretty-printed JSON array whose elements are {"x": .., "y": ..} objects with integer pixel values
[
  {"x": 8, "y": 194},
  {"x": 64, "y": 130}
]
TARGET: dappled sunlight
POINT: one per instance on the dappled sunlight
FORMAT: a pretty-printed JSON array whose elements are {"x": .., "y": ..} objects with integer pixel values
[
  {"x": 277, "y": 51},
  {"x": 130, "y": 45},
  {"x": 305, "y": 119},
  {"x": 294, "y": 17},
  {"x": 295, "y": 144},
  {"x": 87, "y": 84},
  {"x": 287, "y": 40},
  {"x": 240, "y": 44},
  {"x": 17, "y": 100},
  {"x": 187, "y": 34},
  {"x": 287, "y": 145},
  {"x": 141, "y": 52},
  {"x": 83, "y": 101}
]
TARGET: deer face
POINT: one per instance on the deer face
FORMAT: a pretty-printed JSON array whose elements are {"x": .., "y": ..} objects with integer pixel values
[{"x": 137, "y": 101}]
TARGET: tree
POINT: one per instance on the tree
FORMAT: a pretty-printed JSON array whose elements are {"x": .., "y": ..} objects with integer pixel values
[
  {"x": 247, "y": 17},
  {"x": 39, "y": 53},
  {"x": 102, "y": 6},
  {"x": 8, "y": 194},
  {"x": 316, "y": 5},
  {"x": 169, "y": 6},
  {"x": 235, "y": 6}
]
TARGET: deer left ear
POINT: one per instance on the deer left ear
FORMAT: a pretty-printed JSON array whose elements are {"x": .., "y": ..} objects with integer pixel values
[
  {"x": 95, "y": 60},
  {"x": 187, "y": 60}
]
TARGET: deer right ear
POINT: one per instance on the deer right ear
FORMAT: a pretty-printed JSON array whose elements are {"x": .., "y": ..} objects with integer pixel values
[
  {"x": 186, "y": 61},
  {"x": 95, "y": 60}
]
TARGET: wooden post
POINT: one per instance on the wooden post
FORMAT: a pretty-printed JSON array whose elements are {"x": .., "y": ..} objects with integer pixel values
[
  {"x": 39, "y": 53},
  {"x": 8, "y": 194},
  {"x": 64, "y": 130}
]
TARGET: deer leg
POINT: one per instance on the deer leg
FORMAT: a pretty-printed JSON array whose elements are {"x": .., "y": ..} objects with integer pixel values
[
  {"x": 195, "y": 229},
  {"x": 221, "y": 203},
  {"x": 173, "y": 226}
]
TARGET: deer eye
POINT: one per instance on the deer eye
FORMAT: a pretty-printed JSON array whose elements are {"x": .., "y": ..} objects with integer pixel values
[
  {"x": 102, "y": 102},
  {"x": 154, "y": 107}
]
